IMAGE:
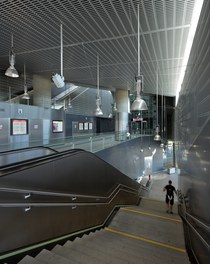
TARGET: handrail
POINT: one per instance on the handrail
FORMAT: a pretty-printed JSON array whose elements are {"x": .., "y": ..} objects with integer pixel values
[
  {"x": 190, "y": 215},
  {"x": 59, "y": 204},
  {"x": 197, "y": 233},
  {"x": 198, "y": 221},
  {"x": 184, "y": 214},
  {"x": 65, "y": 194},
  {"x": 41, "y": 159}
]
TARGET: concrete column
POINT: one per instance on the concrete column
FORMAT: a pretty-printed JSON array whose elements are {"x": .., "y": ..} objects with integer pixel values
[
  {"x": 42, "y": 91},
  {"x": 121, "y": 117}
]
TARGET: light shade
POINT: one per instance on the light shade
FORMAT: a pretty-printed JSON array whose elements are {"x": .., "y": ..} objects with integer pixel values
[
  {"x": 26, "y": 96},
  {"x": 58, "y": 80},
  {"x": 98, "y": 111},
  {"x": 12, "y": 72},
  {"x": 139, "y": 104},
  {"x": 157, "y": 137}
]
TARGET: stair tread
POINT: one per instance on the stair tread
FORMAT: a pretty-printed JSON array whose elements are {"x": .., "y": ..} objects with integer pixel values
[
  {"x": 98, "y": 249},
  {"x": 75, "y": 255},
  {"x": 49, "y": 257},
  {"x": 165, "y": 231},
  {"x": 130, "y": 249},
  {"x": 29, "y": 260}
]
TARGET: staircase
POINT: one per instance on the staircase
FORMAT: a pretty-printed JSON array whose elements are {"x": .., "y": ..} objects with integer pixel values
[{"x": 138, "y": 234}]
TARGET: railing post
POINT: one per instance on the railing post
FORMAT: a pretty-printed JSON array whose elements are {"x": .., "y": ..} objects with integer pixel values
[{"x": 91, "y": 144}]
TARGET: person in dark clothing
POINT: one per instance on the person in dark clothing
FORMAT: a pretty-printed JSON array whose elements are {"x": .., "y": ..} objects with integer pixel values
[{"x": 170, "y": 190}]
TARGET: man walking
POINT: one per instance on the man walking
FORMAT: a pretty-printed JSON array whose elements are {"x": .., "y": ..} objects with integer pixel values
[{"x": 170, "y": 190}]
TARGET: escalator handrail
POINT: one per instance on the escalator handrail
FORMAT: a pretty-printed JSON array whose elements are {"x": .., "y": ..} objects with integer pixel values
[{"x": 39, "y": 159}]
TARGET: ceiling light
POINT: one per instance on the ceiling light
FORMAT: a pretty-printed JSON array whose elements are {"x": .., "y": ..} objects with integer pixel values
[
  {"x": 11, "y": 71},
  {"x": 58, "y": 79},
  {"x": 157, "y": 136},
  {"x": 69, "y": 105},
  {"x": 98, "y": 111},
  {"x": 138, "y": 104},
  {"x": 25, "y": 95}
]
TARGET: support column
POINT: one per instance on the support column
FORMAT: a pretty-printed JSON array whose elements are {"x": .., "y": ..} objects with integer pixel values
[
  {"x": 121, "y": 117},
  {"x": 42, "y": 91}
]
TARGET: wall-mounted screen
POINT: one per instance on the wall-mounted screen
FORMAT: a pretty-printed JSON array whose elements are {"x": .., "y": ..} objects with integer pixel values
[
  {"x": 57, "y": 126},
  {"x": 19, "y": 126}
]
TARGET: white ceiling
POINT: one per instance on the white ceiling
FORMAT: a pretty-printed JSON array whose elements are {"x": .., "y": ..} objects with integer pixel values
[{"x": 90, "y": 27}]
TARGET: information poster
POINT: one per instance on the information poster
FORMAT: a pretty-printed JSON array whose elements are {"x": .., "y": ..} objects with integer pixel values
[
  {"x": 19, "y": 126},
  {"x": 57, "y": 126},
  {"x": 86, "y": 126},
  {"x": 80, "y": 126}
]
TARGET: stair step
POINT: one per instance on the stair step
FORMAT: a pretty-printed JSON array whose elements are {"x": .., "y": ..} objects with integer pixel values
[
  {"x": 47, "y": 256},
  {"x": 93, "y": 248},
  {"x": 77, "y": 256},
  {"x": 165, "y": 231},
  {"x": 140, "y": 249},
  {"x": 29, "y": 260},
  {"x": 155, "y": 205},
  {"x": 108, "y": 252}
]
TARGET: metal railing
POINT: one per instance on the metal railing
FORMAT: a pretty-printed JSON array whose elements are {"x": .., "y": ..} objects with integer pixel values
[{"x": 197, "y": 226}]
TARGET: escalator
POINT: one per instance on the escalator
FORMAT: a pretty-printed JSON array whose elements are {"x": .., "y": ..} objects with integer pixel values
[{"x": 48, "y": 197}]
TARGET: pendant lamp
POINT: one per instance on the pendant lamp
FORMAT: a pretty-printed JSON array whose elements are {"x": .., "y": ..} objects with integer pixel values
[
  {"x": 162, "y": 123},
  {"x": 139, "y": 104},
  {"x": 25, "y": 95},
  {"x": 58, "y": 79},
  {"x": 11, "y": 71},
  {"x": 157, "y": 136},
  {"x": 98, "y": 111},
  {"x": 69, "y": 105}
]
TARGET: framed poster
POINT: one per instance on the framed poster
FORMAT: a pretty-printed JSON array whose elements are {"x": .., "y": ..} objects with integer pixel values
[
  {"x": 57, "y": 126},
  {"x": 86, "y": 126},
  {"x": 80, "y": 126},
  {"x": 19, "y": 127},
  {"x": 90, "y": 126}
]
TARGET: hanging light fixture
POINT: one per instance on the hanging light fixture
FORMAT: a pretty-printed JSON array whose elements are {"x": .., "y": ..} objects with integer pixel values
[
  {"x": 98, "y": 111},
  {"x": 25, "y": 95},
  {"x": 162, "y": 123},
  {"x": 157, "y": 136},
  {"x": 139, "y": 104},
  {"x": 58, "y": 79},
  {"x": 69, "y": 105},
  {"x": 11, "y": 71}
]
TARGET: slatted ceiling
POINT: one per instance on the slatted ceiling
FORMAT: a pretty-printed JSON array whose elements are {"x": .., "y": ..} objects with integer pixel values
[{"x": 106, "y": 27}]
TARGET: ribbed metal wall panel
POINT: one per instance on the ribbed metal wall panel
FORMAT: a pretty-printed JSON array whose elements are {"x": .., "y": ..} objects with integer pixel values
[{"x": 192, "y": 135}]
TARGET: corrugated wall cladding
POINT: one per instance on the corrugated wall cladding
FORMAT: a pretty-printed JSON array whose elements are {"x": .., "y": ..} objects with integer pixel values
[
  {"x": 193, "y": 109},
  {"x": 193, "y": 140}
]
